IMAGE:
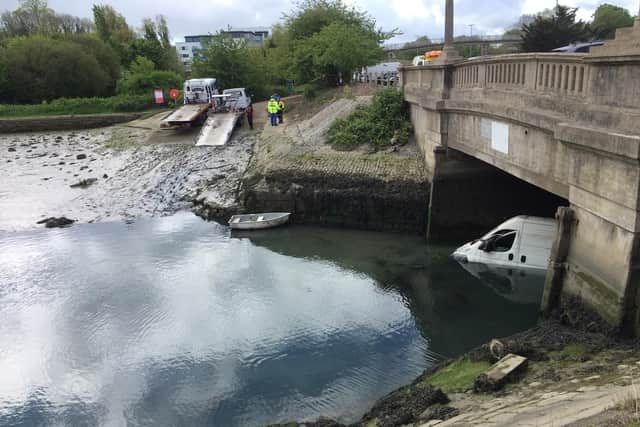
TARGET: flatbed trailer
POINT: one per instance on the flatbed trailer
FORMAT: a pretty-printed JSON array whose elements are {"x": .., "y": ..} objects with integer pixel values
[
  {"x": 218, "y": 128},
  {"x": 186, "y": 115}
]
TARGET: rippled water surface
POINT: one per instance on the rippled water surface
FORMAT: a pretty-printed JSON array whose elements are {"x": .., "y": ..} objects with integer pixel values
[{"x": 175, "y": 321}]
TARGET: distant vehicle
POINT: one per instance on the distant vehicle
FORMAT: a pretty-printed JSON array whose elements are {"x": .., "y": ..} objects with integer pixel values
[
  {"x": 432, "y": 55},
  {"x": 200, "y": 91},
  {"x": 238, "y": 98},
  {"x": 258, "y": 221},
  {"x": 418, "y": 60},
  {"x": 579, "y": 47},
  {"x": 520, "y": 242}
]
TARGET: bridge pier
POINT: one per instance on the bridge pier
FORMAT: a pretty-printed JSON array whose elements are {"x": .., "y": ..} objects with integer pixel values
[{"x": 567, "y": 124}]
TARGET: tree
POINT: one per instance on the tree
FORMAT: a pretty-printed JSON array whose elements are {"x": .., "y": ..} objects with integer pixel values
[
  {"x": 607, "y": 18},
  {"x": 142, "y": 78},
  {"x": 34, "y": 17},
  {"x": 41, "y": 68},
  {"x": 547, "y": 33},
  {"x": 306, "y": 29},
  {"x": 155, "y": 45},
  {"x": 233, "y": 63},
  {"x": 339, "y": 49},
  {"x": 106, "y": 56}
]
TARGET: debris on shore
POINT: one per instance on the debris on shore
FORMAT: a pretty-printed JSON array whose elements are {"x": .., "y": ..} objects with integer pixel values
[{"x": 53, "y": 222}]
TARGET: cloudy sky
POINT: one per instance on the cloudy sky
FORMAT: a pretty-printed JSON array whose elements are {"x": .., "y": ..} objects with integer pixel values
[{"x": 412, "y": 17}]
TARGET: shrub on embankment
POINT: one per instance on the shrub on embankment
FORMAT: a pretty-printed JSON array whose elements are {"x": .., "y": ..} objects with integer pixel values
[
  {"x": 384, "y": 123},
  {"x": 74, "y": 106}
]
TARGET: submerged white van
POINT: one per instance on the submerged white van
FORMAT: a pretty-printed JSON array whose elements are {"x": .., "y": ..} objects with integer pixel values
[{"x": 520, "y": 242}]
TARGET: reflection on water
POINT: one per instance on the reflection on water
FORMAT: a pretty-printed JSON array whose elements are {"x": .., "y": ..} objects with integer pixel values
[{"x": 175, "y": 321}]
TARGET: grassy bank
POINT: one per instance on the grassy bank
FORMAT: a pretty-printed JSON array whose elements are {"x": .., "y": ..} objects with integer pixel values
[{"x": 78, "y": 106}]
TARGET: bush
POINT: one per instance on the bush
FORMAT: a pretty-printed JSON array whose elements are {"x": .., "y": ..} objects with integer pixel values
[
  {"x": 68, "y": 106},
  {"x": 40, "y": 68},
  {"x": 383, "y": 123},
  {"x": 142, "y": 79}
]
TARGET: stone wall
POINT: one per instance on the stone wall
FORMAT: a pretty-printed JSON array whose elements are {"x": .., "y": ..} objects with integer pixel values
[
  {"x": 362, "y": 192},
  {"x": 59, "y": 123}
]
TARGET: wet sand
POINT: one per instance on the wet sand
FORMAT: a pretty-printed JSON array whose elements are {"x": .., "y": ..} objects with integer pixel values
[{"x": 139, "y": 171}]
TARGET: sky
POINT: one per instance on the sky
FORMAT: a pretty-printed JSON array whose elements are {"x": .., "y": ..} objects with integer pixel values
[{"x": 412, "y": 17}]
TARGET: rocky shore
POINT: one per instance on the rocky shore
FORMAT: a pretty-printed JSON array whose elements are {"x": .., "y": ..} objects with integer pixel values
[{"x": 115, "y": 173}]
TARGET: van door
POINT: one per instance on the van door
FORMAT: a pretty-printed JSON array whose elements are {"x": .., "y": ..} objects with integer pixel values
[{"x": 501, "y": 247}]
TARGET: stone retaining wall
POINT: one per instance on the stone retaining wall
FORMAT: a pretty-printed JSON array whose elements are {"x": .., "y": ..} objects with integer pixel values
[
  {"x": 380, "y": 195},
  {"x": 59, "y": 123}
]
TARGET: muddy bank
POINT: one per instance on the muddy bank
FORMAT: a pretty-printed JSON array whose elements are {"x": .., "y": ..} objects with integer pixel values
[
  {"x": 62, "y": 123},
  {"x": 131, "y": 172},
  {"x": 293, "y": 170},
  {"x": 579, "y": 373}
]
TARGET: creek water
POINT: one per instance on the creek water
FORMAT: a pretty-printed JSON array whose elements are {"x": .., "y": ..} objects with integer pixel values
[{"x": 176, "y": 321}]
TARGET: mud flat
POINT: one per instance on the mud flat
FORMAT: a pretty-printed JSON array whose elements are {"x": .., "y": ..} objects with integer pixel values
[
  {"x": 294, "y": 170},
  {"x": 114, "y": 173}
]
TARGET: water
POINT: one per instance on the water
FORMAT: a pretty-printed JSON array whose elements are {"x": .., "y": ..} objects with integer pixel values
[{"x": 174, "y": 321}]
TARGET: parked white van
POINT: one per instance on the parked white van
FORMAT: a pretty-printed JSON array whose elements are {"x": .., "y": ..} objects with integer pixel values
[
  {"x": 520, "y": 242},
  {"x": 200, "y": 91}
]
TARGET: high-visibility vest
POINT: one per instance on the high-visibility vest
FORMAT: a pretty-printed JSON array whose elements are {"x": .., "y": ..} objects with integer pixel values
[
  {"x": 281, "y": 106},
  {"x": 272, "y": 106}
]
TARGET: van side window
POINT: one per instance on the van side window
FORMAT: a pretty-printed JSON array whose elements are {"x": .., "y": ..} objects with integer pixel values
[
  {"x": 505, "y": 242},
  {"x": 499, "y": 241}
]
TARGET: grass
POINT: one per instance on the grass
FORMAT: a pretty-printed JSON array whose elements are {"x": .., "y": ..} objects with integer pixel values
[
  {"x": 458, "y": 376},
  {"x": 79, "y": 106}
]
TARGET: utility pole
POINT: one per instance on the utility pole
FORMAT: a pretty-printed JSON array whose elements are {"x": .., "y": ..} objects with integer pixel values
[
  {"x": 449, "y": 53},
  {"x": 471, "y": 29}
]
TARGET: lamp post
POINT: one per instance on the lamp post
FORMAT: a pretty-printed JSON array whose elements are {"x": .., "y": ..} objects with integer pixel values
[{"x": 449, "y": 53}]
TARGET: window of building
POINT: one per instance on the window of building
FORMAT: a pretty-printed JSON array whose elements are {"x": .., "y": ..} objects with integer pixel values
[{"x": 185, "y": 55}]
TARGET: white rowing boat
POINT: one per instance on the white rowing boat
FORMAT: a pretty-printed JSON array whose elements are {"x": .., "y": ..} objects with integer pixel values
[{"x": 258, "y": 221}]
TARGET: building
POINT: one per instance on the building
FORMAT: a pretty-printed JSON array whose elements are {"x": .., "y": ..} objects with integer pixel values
[{"x": 192, "y": 46}]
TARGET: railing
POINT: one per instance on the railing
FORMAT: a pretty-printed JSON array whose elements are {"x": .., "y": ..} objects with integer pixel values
[{"x": 567, "y": 74}]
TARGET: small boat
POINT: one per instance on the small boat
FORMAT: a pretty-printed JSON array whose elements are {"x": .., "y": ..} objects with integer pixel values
[{"x": 258, "y": 221}]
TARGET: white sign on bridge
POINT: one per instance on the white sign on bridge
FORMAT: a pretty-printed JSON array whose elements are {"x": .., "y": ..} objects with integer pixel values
[{"x": 497, "y": 133}]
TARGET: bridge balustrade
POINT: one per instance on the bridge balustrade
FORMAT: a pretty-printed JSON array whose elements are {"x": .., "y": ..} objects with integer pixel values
[{"x": 565, "y": 74}]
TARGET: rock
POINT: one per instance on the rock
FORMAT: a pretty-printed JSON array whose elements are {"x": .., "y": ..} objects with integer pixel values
[
  {"x": 12, "y": 149},
  {"x": 497, "y": 349},
  {"x": 505, "y": 370},
  {"x": 438, "y": 412},
  {"x": 105, "y": 176},
  {"x": 84, "y": 183},
  {"x": 81, "y": 156},
  {"x": 535, "y": 384},
  {"x": 53, "y": 222}
]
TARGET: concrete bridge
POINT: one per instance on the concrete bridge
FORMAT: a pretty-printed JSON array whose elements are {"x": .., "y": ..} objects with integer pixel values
[{"x": 568, "y": 127}]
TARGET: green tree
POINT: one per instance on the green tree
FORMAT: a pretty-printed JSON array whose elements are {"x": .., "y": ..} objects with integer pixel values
[
  {"x": 113, "y": 29},
  {"x": 339, "y": 49},
  {"x": 306, "y": 29},
  {"x": 607, "y": 18},
  {"x": 155, "y": 45},
  {"x": 142, "y": 78},
  {"x": 41, "y": 68},
  {"x": 34, "y": 17},
  {"x": 233, "y": 63},
  {"x": 106, "y": 56},
  {"x": 547, "y": 33}
]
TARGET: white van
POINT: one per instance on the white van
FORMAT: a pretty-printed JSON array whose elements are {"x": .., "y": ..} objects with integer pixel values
[
  {"x": 520, "y": 242},
  {"x": 200, "y": 91},
  {"x": 238, "y": 98}
]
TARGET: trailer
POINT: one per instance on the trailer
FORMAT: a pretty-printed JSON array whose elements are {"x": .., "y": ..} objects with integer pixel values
[
  {"x": 187, "y": 115},
  {"x": 218, "y": 114}
]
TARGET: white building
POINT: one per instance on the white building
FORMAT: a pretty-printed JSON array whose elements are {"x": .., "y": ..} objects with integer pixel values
[{"x": 193, "y": 45}]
